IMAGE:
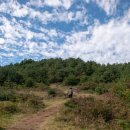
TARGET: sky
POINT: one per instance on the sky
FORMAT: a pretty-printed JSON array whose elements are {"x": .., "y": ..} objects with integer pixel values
[{"x": 93, "y": 30}]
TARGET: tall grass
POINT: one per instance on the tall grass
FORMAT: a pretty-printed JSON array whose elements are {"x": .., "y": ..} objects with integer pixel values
[
  {"x": 88, "y": 112},
  {"x": 12, "y": 103}
]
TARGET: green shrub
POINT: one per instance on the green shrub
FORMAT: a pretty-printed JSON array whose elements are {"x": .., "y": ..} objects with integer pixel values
[
  {"x": 71, "y": 80},
  {"x": 24, "y": 97},
  {"x": 125, "y": 124},
  {"x": 52, "y": 92},
  {"x": 88, "y": 86},
  {"x": 8, "y": 107},
  {"x": 126, "y": 95},
  {"x": 101, "y": 89},
  {"x": 29, "y": 83},
  {"x": 88, "y": 111},
  {"x": 7, "y": 95},
  {"x": 36, "y": 103},
  {"x": 71, "y": 104},
  {"x": 118, "y": 89},
  {"x": 2, "y": 128}
]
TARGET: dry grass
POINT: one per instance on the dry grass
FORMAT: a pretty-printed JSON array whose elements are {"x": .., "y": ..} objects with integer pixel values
[
  {"x": 6, "y": 120},
  {"x": 90, "y": 113},
  {"x": 25, "y": 101},
  {"x": 53, "y": 124}
]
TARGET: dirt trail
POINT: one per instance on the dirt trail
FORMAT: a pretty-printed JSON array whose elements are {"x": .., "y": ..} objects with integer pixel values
[{"x": 33, "y": 122}]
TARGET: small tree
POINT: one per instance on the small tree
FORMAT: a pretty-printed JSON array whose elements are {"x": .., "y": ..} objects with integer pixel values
[
  {"x": 29, "y": 83},
  {"x": 51, "y": 92},
  {"x": 71, "y": 80}
]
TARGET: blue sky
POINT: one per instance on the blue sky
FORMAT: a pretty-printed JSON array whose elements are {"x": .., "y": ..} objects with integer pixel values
[{"x": 97, "y": 30}]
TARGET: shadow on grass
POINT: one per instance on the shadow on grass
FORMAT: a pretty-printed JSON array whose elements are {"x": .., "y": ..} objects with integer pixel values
[{"x": 2, "y": 128}]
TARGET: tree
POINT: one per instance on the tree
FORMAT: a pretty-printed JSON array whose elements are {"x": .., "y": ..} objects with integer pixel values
[
  {"x": 71, "y": 80},
  {"x": 29, "y": 83},
  {"x": 111, "y": 74}
]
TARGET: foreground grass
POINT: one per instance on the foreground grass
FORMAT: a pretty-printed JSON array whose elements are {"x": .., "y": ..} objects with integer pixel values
[
  {"x": 7, "y": 119},
  {"x": 16, "y": 104},
  {"x": 98, "y": 112},
  {"x": 53, "y": 124},
  {"x": 90, "y": 113}
]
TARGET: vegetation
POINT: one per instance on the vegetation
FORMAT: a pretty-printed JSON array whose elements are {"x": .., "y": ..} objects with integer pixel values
[
  {"x": 112, "y": 82},
  {"x": 69, "y": 72},
  {"x": 14, "y": 103},
  {"x": 91, "y": 113}
]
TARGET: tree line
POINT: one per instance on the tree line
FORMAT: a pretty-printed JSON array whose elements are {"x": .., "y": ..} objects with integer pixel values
[{"x": 68, "y": 72}]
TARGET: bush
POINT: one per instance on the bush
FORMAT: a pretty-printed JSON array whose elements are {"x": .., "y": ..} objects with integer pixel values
[
  {"x": 29, "y": 83},
  {"x": 52, "y": 92},
  {"x": 87, "y": 112},
  {"x": 110, "y": 75},
  {"x": 118, "y": 89},
  {"x": 2, "y": 128},
  {"x": 88, "y": 86},
  {"x": 24, "y": 97},
  {"x": 71, "y": 104},
  {"x": 7, "y": 95},
  {"x": 36, "y": 103},
  {"x": 101, "y": 89},
  {"x": 71, "y": 80},
  {"x": 8, "y": 107}
]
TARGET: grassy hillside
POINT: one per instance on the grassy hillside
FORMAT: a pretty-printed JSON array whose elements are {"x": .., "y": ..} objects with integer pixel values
[{"x": 30, "y": 86}]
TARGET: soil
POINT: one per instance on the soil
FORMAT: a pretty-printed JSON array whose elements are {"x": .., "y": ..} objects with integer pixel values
[{"x": 34, "y": 121}]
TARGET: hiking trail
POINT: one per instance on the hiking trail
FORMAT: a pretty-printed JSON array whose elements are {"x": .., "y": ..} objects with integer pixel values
[{"x": 34, "y": 121}]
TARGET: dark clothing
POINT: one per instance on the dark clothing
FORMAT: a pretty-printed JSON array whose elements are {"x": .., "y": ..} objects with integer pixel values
[
  {"x": 70, "y": 93},
  {"x": 70, "y": 96}
]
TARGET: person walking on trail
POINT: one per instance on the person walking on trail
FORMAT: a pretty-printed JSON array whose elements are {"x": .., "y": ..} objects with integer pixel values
[{"x": 70, "y": 93}]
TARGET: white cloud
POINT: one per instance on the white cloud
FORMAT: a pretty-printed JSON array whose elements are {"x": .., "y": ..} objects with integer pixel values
[
  {"x": 53, "y": 3},
  {"x": 103, "y": 43},
  {"x": 66, "y": 4},
  {"x": 109, "y": 43},
  {"x": 14, "y": 8},
  {"x": 109, "y": 6},
  {"x": 20, "y": 12},
  {"x": 2, "y": 41}
]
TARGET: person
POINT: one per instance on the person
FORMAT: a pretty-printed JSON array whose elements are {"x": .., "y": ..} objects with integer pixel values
[{"x": 70, "y": 93}]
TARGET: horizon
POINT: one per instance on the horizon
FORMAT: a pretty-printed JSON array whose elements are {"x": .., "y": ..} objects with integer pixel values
[
  {"x": 42, "y": 60},
  {"x": 92, "y": 30}
]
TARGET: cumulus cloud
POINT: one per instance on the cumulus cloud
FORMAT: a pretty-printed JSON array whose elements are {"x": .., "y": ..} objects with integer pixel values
[
  {"x": 14, "y": 8},
  {"x": 30, "y": 32},
  {"x": 2, "y": 41},
  {"x": 109, "y": 43},
  {"x": 109, "y": 6},
  {"x": 52, "y": 3}
]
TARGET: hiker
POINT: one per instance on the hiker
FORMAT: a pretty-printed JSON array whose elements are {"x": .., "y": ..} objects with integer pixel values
[{"x": 70, "y": 93}]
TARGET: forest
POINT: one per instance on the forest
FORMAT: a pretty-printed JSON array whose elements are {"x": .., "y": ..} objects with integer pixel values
[{"x": 68, "y": 72}]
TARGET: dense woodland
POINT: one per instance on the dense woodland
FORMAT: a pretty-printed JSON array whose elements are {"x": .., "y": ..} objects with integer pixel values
[{"x": 68, "y": 72}]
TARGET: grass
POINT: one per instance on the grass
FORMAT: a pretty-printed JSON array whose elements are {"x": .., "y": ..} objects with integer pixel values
[
  {"x": 92, "y": 87},
  {"x": 90, "y": 113},
  {"x": 53, "y": 124},
  {"x": 80, "y": 113},
  {"x": 15, "y": 103},
  {"x": 24, "y": 101},
  {"x": 7, "y": 119}
]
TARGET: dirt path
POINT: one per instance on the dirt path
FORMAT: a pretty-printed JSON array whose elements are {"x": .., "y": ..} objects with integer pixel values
[{"x": 33, "y": 122}]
